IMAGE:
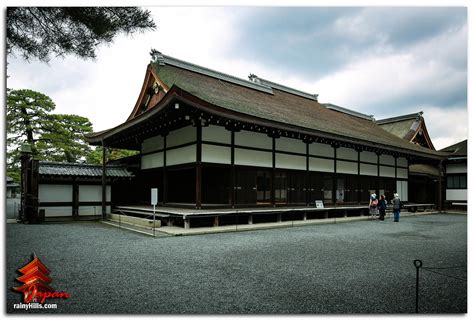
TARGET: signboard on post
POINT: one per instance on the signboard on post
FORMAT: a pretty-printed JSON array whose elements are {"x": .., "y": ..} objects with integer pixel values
[
  {"x": 154, "y": 202},
  {"x": 154, "y": 196}
]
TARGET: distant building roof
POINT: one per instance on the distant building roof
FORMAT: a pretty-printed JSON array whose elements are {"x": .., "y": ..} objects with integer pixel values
[
  {"x": 11, "y": 183},
  {"x": 81, "y": 170},
  {"x": 457, "y": 150},
  {"x": 348, "y": 111},
  {"x": 410, "y": 127}
]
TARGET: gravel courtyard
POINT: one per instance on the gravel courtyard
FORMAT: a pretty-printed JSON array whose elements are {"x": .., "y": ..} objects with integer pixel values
[{"x": 356, "y": 267}]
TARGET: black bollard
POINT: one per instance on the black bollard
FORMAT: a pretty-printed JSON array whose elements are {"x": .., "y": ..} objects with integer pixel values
[{"x": 418, "y": 264}]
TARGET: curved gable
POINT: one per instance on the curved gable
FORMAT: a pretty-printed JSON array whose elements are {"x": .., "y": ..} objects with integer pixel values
[{"x": 153, "y": 90}]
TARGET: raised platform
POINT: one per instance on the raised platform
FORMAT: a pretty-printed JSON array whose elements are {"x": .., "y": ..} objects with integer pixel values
[
  {"x": 210, "y": 212},
  {"x": 213, "y": 217}
]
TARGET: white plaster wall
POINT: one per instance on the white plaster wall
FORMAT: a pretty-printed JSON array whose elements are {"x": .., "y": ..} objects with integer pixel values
[
  {"x": 320, "y": 149},
  {"x": 55, "y": 192},
  {"x": 402, "y": 173},
  {"x": 154, "y": 160},
  {"x": 181, "y": 155},
  {"x": 322, "y": 165},
  {"x": 57, "y": 211},
  {"x": 456, "y": 168},
  {"x": 253, "y": 158},
  {"x": 387, "y": 171},
  {"x": 346, "y": 167},
  {"x": 92, "y": 210},
  {"x": 216, "y": 134},
  {"x": 402, "y": 162},
  {"x": 92, "y": 193},
  {"x": 181, "y": 136},
  {"x": 291, "y": 145},
  {"x": 253, "y": 139},
  {"x": 288, "y": 161},
  {"x": 368, "y": 169},
  {"x": 456, "y": 194},
  {"x": 346, "y": 153},
  {"x": 387, "y": 159},
  {"x": 152, "y": 144},
  {"x": 367, "y": 156},
  {"x": 216, "y": 154},
  {"x": 402, "y": 190}
]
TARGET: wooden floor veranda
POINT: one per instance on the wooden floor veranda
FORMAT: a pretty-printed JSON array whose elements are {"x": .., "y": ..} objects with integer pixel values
[{"x": 170, "y": 215}]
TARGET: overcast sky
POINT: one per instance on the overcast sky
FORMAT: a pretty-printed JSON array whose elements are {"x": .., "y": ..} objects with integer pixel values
[{"x": 382, "y": 61}]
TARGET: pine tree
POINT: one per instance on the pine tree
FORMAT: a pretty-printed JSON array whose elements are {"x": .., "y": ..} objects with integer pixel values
[
  {"x": 39, "y": 32},
  {"x": 53, "y": 137}
]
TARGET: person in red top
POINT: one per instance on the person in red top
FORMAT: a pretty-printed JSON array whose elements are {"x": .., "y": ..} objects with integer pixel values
[{"x": 373, "y": 206}]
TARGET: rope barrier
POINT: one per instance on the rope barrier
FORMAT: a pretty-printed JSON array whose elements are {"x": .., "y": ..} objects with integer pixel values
[
  {"x": 446, "y": 275},
  {"x": 455, "y": 267},
  {"x": 419, "y": 265}
]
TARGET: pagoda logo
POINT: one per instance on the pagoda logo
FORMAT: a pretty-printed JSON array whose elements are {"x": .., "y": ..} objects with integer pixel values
[{"x": 35, "y": 287}]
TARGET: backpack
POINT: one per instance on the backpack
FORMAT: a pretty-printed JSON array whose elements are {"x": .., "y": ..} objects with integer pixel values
[{"x": 375, "y": 202}]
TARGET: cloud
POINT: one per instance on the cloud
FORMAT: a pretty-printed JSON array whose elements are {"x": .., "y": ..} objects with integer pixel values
[
  {"x": 377, "y": 60},
  {"x": 446, "y": 128},
  {"x": 106, "y": 90},
  {"x": 315, "y": 41}
]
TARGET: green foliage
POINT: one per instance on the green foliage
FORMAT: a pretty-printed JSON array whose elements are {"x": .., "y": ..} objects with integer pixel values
[
  {"x": 27, "y": 117},
  {"x": 53, "y": 137},
  {"x": 95, "y": 156},
  {"x": 15, "y": 174},
  {"x": 38, "y": 32},
  {"x": 64, "y": 139}
]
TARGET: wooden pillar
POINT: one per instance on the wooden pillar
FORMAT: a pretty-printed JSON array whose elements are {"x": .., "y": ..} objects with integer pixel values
[
  {"x": 279, "y": 217},
  {"x": 75, "y": 199},
  {"x": 27, "y": 211},
  {"x": 378, "y": 175},
  {"x": 308, "y": 179},
  {"x": 359, "y": 185},
  {"x": 104, "y": 182},
  {"x": 305, "y": 216},
  {"x": 440, "y": 186},
  {"x": 273, "y": 174},
  {"x": 165, "y": 172},
  {"x": 216, "y": 221},
  {"x": 232, "y": 169},
  {"x": 198, "y": 164},
  {"x": 250, "y": 221},
  {"x": 334, "y": 177}
]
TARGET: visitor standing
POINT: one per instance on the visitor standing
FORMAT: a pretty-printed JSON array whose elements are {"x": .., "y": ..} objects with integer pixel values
[
  {"x": 382, "y": 207},
  {"x": 373, "y": 206},
  {"x": 397, "y": 205}
]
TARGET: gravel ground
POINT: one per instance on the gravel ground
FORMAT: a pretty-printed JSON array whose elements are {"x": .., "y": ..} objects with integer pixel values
[{"x": 357, "y": 267}]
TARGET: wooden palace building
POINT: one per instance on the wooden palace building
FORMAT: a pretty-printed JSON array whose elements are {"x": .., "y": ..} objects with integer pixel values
[{"x": 211, "y": 140}]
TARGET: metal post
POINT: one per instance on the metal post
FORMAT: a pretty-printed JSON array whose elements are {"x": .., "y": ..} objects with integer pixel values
[
  {"x": 154, "y": 220},
  {"x": 418, "y": 264},
  {"x": 104, "y": 182}
]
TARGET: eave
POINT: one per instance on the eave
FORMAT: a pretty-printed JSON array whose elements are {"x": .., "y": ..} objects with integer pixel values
[{"x": 176, "y": 94}]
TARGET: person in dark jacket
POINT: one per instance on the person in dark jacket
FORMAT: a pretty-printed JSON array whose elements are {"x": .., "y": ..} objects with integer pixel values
[
  {"x": 397, "y": 205},
  {"x": 382, "y": 207}
]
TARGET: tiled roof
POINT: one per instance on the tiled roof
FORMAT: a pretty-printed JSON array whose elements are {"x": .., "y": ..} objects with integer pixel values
[
  {"x": 81, "y": 170},
  {"x": 457, "y": 150},
  {"x": 266, "y": 102},
  {"x": 281, "y": 106}
]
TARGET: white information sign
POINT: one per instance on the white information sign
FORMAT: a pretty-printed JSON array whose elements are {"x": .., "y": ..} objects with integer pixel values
[
  {"x": 319, "y": 204},
  {"x": 154, "y": 196}
]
